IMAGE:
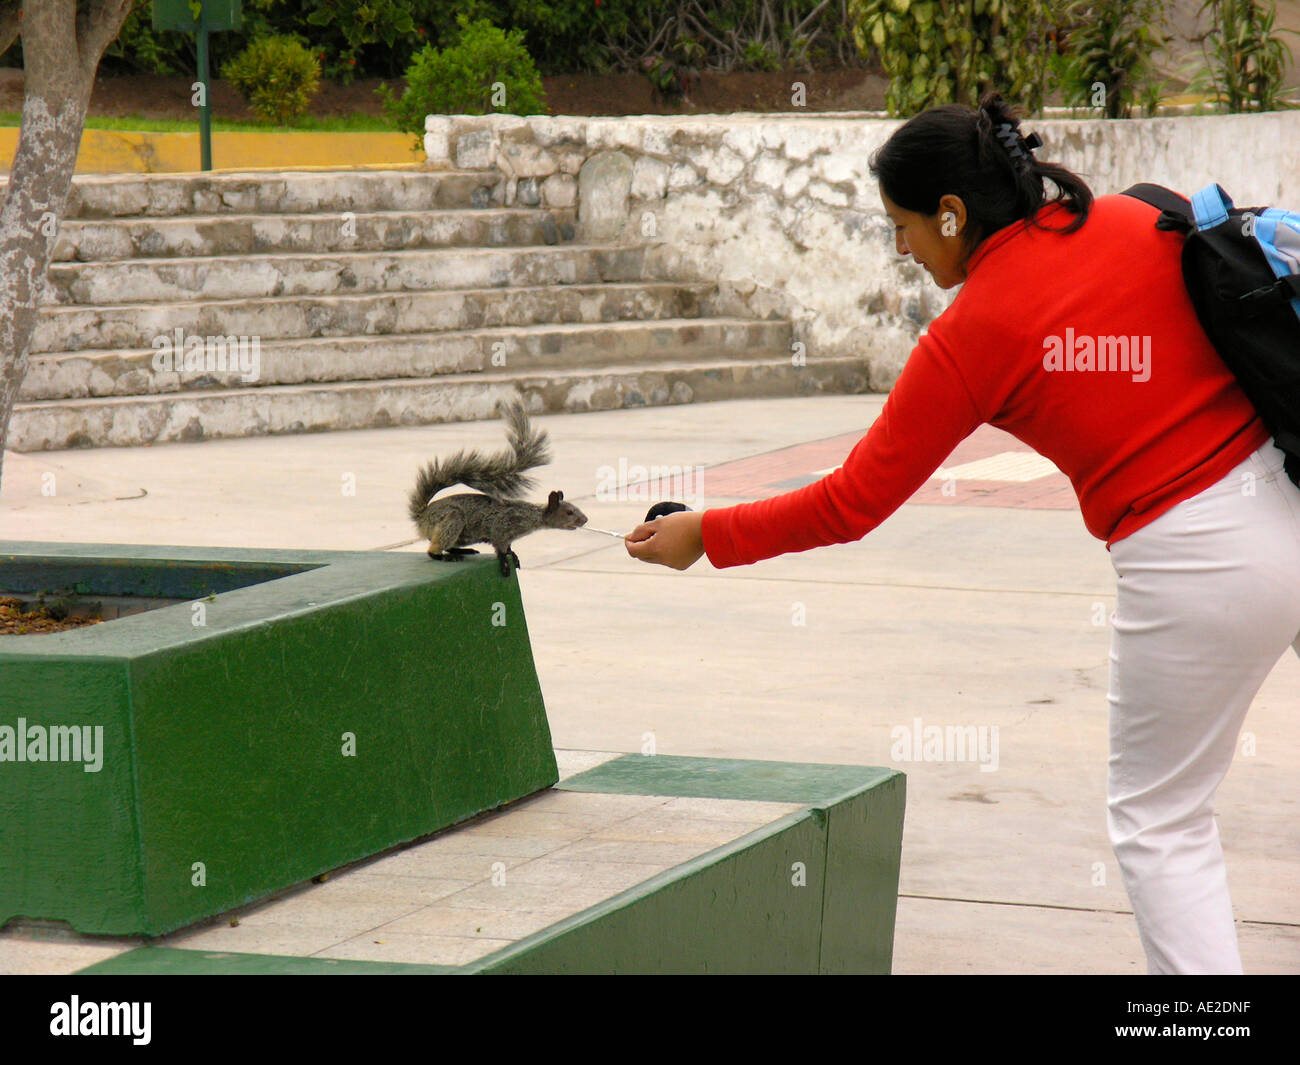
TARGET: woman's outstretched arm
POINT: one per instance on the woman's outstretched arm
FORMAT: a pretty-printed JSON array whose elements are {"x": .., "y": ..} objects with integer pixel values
[{"x": 929, "y": 411}]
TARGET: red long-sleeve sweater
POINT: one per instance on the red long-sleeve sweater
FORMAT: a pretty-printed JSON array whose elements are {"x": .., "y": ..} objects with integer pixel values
[{"x": 1134, "y": 438}]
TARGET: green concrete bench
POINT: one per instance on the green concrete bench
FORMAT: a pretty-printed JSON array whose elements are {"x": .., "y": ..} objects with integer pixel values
[{"x": 277, "y": 714}]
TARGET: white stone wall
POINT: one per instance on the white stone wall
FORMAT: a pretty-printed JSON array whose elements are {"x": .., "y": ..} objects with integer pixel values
[{"x": 781, "y": 211}]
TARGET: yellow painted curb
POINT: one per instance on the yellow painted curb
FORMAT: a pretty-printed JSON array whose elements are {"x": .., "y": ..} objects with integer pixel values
[{"x": 114, "y": 151}]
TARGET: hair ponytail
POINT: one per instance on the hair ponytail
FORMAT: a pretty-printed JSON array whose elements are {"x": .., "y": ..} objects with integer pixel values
[{"x": 980, "y": 156}]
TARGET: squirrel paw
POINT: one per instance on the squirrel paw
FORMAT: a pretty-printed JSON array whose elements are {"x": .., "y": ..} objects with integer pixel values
[
  {"x": 505, "y": 558},
  {"x": 453, "y": 554}
]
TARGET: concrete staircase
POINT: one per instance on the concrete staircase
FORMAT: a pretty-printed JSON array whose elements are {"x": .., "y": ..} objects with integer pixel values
[{"x": 362, "y": 299}]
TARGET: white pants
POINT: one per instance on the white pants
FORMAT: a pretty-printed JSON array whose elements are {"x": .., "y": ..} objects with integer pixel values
[{"x": 1208, "y": 601}]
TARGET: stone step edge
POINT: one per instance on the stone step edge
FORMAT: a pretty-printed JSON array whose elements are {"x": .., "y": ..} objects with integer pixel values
[
  {"x": 298, "y": 216},
  {"x": 377, "y": 339},
  {"x": 262, "y": 173},
  {"x": 85, "y": 284},
  {"x": 56, "y": 309},
  {"x": 61, "y": 318},
  {"x": 73, "y": 229},
  {"x": 484, "y": 378},
  {"x": 305, "y": 173},
  {"x": 172, "y": 195},
  {"x": 412, "y": 253}
]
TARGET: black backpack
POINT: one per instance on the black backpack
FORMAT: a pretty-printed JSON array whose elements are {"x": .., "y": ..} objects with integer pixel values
[{"x": 1242, "y": 270}]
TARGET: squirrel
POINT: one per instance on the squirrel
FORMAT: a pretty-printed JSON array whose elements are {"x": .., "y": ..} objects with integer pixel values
[{"x": 492, "y": 514}]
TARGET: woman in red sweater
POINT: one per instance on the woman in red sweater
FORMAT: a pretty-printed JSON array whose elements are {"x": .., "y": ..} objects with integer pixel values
[{"x": 1073, "y": 331}]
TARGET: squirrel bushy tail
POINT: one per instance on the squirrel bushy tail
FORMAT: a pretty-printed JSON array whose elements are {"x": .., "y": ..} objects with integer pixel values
[{"x": 500, "y": 476}]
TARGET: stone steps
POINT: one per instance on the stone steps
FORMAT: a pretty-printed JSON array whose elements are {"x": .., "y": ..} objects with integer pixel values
[
  {"x": 249, "y": 276},
  {"x": 367, "y": 298},
  {"x": 211, "y": 234},
  {"x": 73, "y": 328},
  {"x": 523, "y": 349},
  {"x": 216, "y": 414},
  {"x": 162, "y": 195}
]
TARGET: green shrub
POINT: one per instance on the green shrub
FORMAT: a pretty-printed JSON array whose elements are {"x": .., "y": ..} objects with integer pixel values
[
  {"x": 379, "y": 38},
  {"x": 486, "y": 71},
  {"x": 277, "y": 76},
  {"x": 358, "y": 31},
  {"x": 1243, "y": 60},
  {"x": 1107, "y": 58},
  {"x": 935, "y": 52},
  {"x": 138, "y": 49}
]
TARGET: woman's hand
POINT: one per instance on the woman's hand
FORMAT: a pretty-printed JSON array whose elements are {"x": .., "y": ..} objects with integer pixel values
[{"x": 675, "y": 540}]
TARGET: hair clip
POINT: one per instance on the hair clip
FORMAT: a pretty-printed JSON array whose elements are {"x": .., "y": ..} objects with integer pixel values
[{"x": 1010, "y": 138}]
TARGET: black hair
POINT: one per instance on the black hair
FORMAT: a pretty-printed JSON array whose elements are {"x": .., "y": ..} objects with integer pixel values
[{"x": 980, "y": 156}]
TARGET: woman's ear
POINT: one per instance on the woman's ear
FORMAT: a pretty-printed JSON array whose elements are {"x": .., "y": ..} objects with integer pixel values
[{"x": 952, "y": 216}]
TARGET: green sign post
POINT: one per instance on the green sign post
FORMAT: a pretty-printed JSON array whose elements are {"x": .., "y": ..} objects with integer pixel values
[{"x": 200, "y": 17}]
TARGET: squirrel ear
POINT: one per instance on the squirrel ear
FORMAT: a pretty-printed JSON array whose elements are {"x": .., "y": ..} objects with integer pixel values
[{"x": 554, "y": 500}]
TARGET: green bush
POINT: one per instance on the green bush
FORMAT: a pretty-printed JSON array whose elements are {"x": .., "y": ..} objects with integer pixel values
[
  {"x": 486, "y": 71},
  {"x": 379, "y": 38},
  {"x": 138, "y": 49},
  {"x": 359, "y": 31},
  {"x": 935, "y": 52},
  {"x": 277, "y": 76},
  {"x": 1106, "y": 62},
  {"x": 1243, "y": 60}
]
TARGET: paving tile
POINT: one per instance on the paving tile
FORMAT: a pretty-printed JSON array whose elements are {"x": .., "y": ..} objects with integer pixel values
[
  {"x": 572, "y": 763},
  {"x": 28, "y": 957},
  {"x": 477, "y": 923},
  {"x": 621, "y": 850},
  {"x": 516, "y": 895},
  {"x": 367, "y": 887},
  {"x": 588, "y": 811},
  {"x": 522, "y": 824},
  {"x": 437, "y": 863},
  {"x": 730, "y": 809},
  {"x": 352, "y": 904},
  {"x": 657, "y": 827},
  {"x": 949, "y": 936},
  {"x": 415, "y": 949},
  {"x": 469, "y": 840},
  {"x": 613, "y": 877},
  {"x": 339, "y": 917},
  {"x": 296, "y": 940},
  {"x": 592, "y": 804}
]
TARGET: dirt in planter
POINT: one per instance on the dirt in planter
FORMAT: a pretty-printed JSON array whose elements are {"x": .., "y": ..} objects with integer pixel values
[{"x": 15, "y": 621}]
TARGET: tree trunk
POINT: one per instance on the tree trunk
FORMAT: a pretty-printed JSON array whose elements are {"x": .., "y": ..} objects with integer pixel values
[{"x": 62, "y": 46}]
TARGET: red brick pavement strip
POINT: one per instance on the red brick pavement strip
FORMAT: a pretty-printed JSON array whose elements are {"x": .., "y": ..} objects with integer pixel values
[{"x": 791, "y": 467}]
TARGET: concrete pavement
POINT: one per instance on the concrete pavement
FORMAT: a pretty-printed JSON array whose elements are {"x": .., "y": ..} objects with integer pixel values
[{"x": 965, "y": 612}]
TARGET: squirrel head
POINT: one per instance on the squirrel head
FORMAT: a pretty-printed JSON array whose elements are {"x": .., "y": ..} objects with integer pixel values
[{"x": 561, "y": 515}]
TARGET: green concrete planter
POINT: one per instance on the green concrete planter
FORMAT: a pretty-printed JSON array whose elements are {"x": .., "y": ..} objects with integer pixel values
[{"x": 276, "y": 714}]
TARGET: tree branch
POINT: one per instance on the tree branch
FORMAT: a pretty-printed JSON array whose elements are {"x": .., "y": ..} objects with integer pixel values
[
  {"x": 98, "y": 24},
  {"x": 11, "y": 13},
  {"x": 811, "y": 15}
]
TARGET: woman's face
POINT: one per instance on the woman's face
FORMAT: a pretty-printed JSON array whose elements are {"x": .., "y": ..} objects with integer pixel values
[{"x": 934, "y": 241}]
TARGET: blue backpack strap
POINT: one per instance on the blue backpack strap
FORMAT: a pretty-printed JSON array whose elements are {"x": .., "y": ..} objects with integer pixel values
[
  {"x": 1211, "y": 206},
  {"x": 1278, "y": 234}
]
